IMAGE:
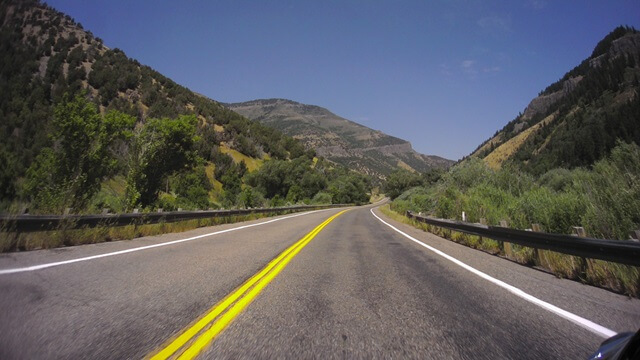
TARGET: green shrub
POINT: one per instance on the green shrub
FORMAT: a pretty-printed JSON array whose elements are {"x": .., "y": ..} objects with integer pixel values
[
  {"x": 321, "y": 198},
  {"x": 250, "y": 198},
  {"x": 450, "y": 202},
  {"x": 488, "y": 202},
  {"x": 416, "y": 199},
  {"x": 510, "y": 179},
  {"x": 351, "y": 188},
  {"x": 399, "y": 181},
  {"x": 192, "y": 188},
  {"x": 467, "y": 174},
  {"x": 557, "y": 179},
  {"x": 556, "y": 212}
]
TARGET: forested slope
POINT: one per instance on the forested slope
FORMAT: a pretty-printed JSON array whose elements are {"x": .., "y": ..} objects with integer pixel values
[{"x": 84, "y": 126}]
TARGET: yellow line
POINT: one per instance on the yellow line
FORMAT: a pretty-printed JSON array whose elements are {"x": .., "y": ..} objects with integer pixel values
[
  {"x": 220, "y": 307},
  {"x": 262, "y": 278}
]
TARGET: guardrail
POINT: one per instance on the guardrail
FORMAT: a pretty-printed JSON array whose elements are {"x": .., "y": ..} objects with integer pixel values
[
  {"x": 31, "y": 223},
  {"x": 618, "y": 251}
]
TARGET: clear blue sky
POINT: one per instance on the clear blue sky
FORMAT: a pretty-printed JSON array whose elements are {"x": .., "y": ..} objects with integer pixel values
[{"x": 444, "y": 75}]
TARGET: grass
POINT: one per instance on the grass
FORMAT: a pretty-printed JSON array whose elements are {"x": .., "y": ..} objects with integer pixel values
[
  {"x": 376, "y": 195},
  {"x": 616, "y": 277},
  {"x": 252, "y": 163},
  {"x": 116, "y": 185},
  {"x": 375, "y": 198},
  {"x": 405, "y": 166},
  {"x": 214, "y": 193},
  {"x": 110, "y": 195}
]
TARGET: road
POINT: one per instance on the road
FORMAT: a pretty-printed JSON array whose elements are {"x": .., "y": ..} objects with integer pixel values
[{"x": 355, "y": 288}]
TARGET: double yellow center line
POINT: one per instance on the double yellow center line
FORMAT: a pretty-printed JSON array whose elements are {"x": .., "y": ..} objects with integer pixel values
[{"x": 213, "y": 322}]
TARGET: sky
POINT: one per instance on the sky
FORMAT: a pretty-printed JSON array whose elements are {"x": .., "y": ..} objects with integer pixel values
[{"x": 444, "y": 75}]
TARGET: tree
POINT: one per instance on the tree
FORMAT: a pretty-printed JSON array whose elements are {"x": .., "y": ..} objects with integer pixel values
[
  {"x": 431, "y": 176},
  {"x": 276, "y": 177},
  {"x": 351, "y": 188},
  {"x": 192, "y": 187},
  {"x": 250, "y": 198},
  {"x": 160, "y": 148},
  {"x": 69, "y": 173}
]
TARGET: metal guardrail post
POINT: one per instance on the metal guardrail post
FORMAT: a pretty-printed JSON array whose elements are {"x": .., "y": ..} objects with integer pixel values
[
  {"x": 483, "y": 221},
  {"x": 585, "y": 263},
  {"x": 538, "y": 254},
  {"x": 508, "y": 252}
]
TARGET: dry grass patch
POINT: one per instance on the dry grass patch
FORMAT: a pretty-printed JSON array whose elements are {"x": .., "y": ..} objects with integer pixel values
[
  {"x": 252, "y": 163},
  {"x": 405, "y": 166},
  {"x": 503, "y": 152}
]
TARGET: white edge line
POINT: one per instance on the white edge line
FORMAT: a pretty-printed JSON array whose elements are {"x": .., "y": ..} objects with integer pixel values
[
  {"x": 587, "y": 324},
  {"x": 48, "y": 265}
]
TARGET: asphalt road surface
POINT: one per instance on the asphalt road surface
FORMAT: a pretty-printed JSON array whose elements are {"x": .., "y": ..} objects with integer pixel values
[{"x": 311, "y": 285}]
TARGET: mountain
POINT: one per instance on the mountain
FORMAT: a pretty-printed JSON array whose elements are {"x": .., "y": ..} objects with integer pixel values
[
  {"x": 338, "y": 139},
  {"x": 82, "y": 121},
  {"x": 580, "y": 118}
]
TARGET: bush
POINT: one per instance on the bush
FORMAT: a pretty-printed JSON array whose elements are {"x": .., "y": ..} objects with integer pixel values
[
  {"x": 556, "y": 212},
  {"x": 159, "y": 149},
  {"x": 467, "y": 174},
  {"x": 399, "y": 181},
  {"x": 192, "y": 188},
  {"x": 279, "y": 177},
  {"x": 350, "y": 188},
  {"x": 489, "y": 202},
  {"x": 557, "y": 179},
  {"x": 416, "y": 199},
  {"x": 321, "y": 198},
  {"x": 250, "y": 198}
]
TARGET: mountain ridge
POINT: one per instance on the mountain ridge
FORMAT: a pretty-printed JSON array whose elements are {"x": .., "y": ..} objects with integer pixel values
[
  {"x": 338, "y": 139},
  {"x": 578, "y": 119}
]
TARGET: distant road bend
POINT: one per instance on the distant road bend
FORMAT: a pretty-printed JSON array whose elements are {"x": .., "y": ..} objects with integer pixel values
[{"x": 336, "y": 283}]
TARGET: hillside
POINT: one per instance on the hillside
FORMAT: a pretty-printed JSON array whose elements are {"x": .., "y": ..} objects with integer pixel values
[
  {"x": 571, "y": 159},
  {"x": 578, "y": 119},
  {"x": 340, "y": 140},
  {"x": 80, "y": 119}
]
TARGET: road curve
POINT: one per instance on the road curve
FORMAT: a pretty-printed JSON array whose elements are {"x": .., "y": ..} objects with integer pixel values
[{"x": 358, "y": 289}]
